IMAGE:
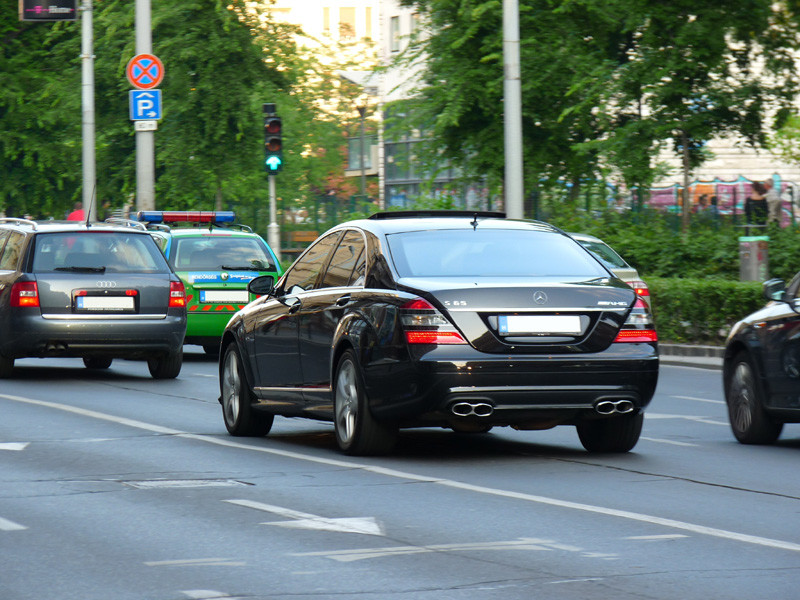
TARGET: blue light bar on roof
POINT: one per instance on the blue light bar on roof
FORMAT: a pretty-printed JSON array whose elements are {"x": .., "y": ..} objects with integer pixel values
[{"x": 186, "y": 216}]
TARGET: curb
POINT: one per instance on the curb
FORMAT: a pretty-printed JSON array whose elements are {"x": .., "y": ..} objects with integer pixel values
[{"x": 685, "y": 355}]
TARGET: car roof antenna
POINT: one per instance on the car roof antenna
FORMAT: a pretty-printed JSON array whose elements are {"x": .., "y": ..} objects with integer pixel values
[
  {"x": 474, "y": 222},
  {"x": 89, "y": 209}
]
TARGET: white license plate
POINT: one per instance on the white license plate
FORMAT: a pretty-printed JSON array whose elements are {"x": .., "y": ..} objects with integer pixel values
[
  {"x": 105, "y": 303},
  {"x": 224, "y": 296},
  {"x": 538, "y": 324}
]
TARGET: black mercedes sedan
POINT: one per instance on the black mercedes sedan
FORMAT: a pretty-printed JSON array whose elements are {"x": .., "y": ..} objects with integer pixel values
[
  {"x": 761, "y": 367},
  {"x": 449, "y": 319}
]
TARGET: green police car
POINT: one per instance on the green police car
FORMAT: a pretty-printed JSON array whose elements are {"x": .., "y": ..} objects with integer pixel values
[{"x": 215, "y": 258}]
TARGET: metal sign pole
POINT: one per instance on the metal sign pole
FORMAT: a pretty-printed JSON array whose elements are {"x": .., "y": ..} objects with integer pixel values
[
  {"x": 512, "y": 102},
  {"x": 273, "y": 231},
  {"x": 87, "y": 110},
  {"x": 145, "y": 140}
]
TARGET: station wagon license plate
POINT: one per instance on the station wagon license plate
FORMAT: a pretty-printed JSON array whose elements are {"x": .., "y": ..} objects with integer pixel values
[
  {"x": 109, "y": 303},
  {"x": 224, "y": 296},
  {"x": 539, "y": 324}
]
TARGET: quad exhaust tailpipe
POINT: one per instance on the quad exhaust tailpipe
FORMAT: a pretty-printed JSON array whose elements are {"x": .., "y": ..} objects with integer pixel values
[
  {"x": 610, "y": 407},
  {"x": 472, "y": 409}
]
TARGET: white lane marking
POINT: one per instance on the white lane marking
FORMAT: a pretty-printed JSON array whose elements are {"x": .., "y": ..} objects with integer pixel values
[
  {"x": 662, "y": 441},
  {"x": 406, "y": 476},
  {"x": 699, "y": 399},
  {"x": 520, "y": 544},
  {"x": 205, "y": 594},
  {"x": 182, "y": 483},
  {"x": 203, "y": 375},
  {"x": 363, "y": 525},
  {"x": 656, "y": 538},
  {"x": 705, "y": 420},
  {"x": 575, "y": 580},
  {"x": 197, "y": 562},
  {"x": 17, "y": 446},
  {"x": 7, "y": 525}
]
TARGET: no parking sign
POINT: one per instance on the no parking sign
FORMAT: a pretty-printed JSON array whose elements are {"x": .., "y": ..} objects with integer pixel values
[{"x": 145, "y": 71}]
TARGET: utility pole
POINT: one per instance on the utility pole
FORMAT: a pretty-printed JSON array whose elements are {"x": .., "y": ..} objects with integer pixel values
[
  {"x": 145, "y": 140},
  {"x": 362, "y": 111},
  {"x": 512, "y": 103},
  {"x": 87, "y": 112}
]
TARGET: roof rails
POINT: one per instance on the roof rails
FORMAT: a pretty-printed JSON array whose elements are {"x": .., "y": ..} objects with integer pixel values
[
  {"x": 406, "y": 214},
  {"x": 125, "y": 222},
  {"x": 15, "y": 220}
]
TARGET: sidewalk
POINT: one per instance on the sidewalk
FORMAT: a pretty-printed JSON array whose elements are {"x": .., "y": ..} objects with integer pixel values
[{"x": 704, "y": 357}]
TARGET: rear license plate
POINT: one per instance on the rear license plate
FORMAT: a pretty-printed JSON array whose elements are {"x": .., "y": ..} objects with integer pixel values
[
  {"x": 538, "y": 324},
  {"x": 109, "y": 303},
  {"x": 224, "y": 296}
]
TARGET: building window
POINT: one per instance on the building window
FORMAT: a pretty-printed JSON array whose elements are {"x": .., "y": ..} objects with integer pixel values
[
  {"x": 326, "y": 20},
  {"x": 414, "y": 24},
  {"x": 368, "y": 18},
  {"x": 394, "y": 34},
  {"x": 347, "y": 23}
]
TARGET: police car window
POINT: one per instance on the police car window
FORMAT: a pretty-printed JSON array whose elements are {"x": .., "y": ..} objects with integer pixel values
[
  {"x": 305, "y": 271},
  {"x": 12, "y": 252},
  {"x": 340, "y": 270},
  {"x": 215, "y": 253}
]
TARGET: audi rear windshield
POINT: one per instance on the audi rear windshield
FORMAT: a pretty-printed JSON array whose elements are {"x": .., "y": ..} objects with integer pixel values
[
  {"x": 490, "y": 253},
  {"x": 98, "y": 251}
]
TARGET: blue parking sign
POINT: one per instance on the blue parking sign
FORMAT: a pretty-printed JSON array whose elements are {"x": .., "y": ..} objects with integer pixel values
[{"x": 145, "y": 105}]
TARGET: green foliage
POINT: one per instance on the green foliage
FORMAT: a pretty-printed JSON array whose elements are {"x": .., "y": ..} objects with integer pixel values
[{"x": 701, "y": 311}]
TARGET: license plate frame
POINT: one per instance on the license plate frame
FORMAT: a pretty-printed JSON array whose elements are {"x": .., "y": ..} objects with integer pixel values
[
  {"x": 115, "y": 304},
  {"x": 520, "y": 325},
  {"x": 224, "y": 296}
]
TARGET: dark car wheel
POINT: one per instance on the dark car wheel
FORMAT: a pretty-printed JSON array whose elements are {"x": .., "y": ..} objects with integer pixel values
[
  {"x": 617, "y": 434},
  {"x": 357, "y": 432},
  {"x": 241, "y": 419},
  {"x": 97, "y": 362},
  {"x": 749, "y": 421},
  {"x": 6, "y": 367},
  {"x": 166, "y": 366}
]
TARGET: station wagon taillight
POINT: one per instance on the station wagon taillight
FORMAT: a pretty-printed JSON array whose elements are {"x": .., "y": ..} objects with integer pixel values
[
  {"x": 25, "y": 293},
  {"x": 640, "y": 287},
  {"x": 177, "y": 294},
  {"x": 423, "y": 324},
  {"x": 638, "y": 326}
]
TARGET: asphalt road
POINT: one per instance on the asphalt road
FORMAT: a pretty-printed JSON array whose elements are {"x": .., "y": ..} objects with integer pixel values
[{"x": 116, "y": 486}]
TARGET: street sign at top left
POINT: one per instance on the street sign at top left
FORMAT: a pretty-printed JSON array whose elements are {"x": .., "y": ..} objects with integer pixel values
[{"x": 145, "y": 71}]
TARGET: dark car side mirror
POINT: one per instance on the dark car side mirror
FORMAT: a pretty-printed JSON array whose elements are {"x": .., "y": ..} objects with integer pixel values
[{"x": 262, "y": 286}]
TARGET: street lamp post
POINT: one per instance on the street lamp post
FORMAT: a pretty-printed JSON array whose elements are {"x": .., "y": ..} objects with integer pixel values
[{"x": 362, "y": 111}]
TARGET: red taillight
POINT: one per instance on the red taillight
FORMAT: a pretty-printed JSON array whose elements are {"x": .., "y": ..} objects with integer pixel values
[
  {"x": 25, "y": 294},
  {"x": 638, "y": 326},
  {"x": 640, "y": 287},
  {"x": 177, "y": 294},
  {"x": 424, "y": 324}
]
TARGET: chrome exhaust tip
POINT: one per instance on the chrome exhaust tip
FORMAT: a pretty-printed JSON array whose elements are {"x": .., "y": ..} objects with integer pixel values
[
  {"x": 610, "y": 407},
  {"x": 624, "y": 406},
  {"x": 472, "y": 409},
  {"x": 605, "y": 407}
]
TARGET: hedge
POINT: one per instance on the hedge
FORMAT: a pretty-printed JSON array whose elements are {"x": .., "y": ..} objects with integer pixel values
[{"x": 701, "y": 311}]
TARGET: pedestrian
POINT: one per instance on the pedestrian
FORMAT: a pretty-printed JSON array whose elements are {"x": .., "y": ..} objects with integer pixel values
[
  {"x": 77, "y": 213},
  {"x": 755, "y": 207},
  {"x": 773, "y": 203}
]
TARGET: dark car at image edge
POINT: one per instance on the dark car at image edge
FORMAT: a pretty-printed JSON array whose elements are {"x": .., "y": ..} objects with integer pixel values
[
  {"x": 96, "y": 291},
  {"x": 465, "y": 321}
]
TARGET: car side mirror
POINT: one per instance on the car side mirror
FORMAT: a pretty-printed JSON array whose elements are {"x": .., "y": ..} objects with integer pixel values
[
  {"x": 774, "y": 289},
  {"x": 262, "y": 286}
]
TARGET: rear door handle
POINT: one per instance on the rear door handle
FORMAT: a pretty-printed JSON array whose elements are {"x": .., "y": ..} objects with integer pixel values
[{"x": 343, "y": 300}]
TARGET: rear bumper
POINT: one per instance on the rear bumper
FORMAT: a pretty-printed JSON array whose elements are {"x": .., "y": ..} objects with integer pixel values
[
  {"x": 519, "y": 390},
  {"x": 137, "y": 337}
]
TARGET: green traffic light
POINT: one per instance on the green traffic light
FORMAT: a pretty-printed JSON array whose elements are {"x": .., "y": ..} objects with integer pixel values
[{"x": 274, "y": 163}]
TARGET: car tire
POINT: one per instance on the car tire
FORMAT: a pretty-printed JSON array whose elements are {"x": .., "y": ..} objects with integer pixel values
[
  {"x": 167, "y": 365},
  {"x": 749, "y": 421},
  {"x": 241, "y": 419},
  {"x": 6, "y": 367},
  {"x": 97, "y": 362},
  {"x": 615, "y": 434},
  {"x": 357, "y": 431}
]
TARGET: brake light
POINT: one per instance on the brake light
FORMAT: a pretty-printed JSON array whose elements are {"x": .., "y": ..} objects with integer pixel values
[
  {"x": 423, "y": 324},
  {"x": 640, "y": 287},
  {"x": 177, "y": 294},
  {"x": 638, "y": 327},
  {"x": 25, "y": 294}
]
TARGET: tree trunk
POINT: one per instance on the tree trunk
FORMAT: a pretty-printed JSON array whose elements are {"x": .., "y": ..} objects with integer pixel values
[{"x": 686, "y": 203}]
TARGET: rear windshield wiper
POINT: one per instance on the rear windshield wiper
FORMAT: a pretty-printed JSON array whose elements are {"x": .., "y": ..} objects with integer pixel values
[{"x": 82, "y": 269}]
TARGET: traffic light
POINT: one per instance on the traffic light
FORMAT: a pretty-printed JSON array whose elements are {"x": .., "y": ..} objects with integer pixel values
[{"x": 273, "y": 145}]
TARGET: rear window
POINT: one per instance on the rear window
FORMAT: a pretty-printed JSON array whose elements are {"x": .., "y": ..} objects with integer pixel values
[
  {"x": 490, "y": 253},
  {"x": 113, "y": 252},
  {"x": 218, "y": 253}
]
